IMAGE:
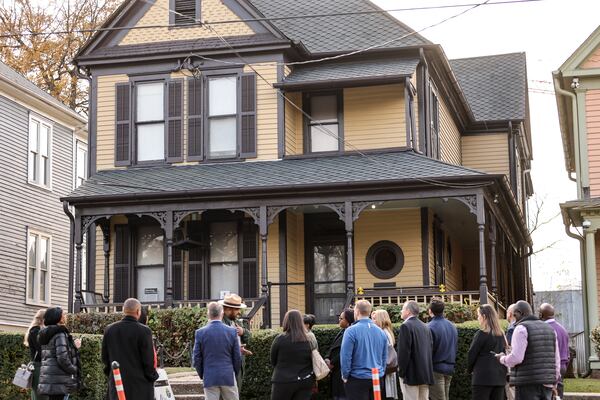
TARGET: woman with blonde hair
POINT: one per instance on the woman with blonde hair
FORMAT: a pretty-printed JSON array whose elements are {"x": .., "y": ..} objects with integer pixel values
[
  {"x": 31, "y": 341},
  {"x": 488, "y": 375},
  {"x": 382, "y": 320}
]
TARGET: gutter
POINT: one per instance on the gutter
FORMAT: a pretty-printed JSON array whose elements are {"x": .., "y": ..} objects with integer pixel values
[
  {"x": 71, "y": 253},
  {"x": 559, "y": 90}
]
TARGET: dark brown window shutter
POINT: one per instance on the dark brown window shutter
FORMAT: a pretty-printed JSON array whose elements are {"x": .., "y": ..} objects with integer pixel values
[
  {"x": 177, "y": 274},
  {"x": 248, "y": 116},
  {"x": 249, "y": 262},
  {"x": 122, "y": 263},
  {"x": 194, "y": 119},
  {"x": 123, "y": 124},
  {"x": 185, "y": 12},
  {"x": 175, "y": 121}
]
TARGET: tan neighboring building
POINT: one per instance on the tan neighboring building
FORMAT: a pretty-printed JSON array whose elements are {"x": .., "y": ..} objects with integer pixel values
[
  {"x": 577, "y": 84},
  {"x": 226, "y": 159}
]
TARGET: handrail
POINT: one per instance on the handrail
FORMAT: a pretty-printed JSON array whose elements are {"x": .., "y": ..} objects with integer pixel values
[{"x": 257, "y": 305}]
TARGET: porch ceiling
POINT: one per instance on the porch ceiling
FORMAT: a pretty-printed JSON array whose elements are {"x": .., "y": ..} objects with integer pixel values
[{"x": 288, "y": 174}]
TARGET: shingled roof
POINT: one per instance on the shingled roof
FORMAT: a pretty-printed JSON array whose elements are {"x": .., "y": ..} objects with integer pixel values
[
  {"x": 495, "y": 86},
  {"x": 238, "y": 177},
  {"x": 341, "y": 32}
]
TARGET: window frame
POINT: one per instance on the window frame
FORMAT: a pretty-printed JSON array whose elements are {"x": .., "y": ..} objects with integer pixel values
[
  {"x": 80, "y": 144},
  {"x": 434, "y": 122},
  {"x": 39, "y": 234},
  {"x": 38, "y": 157},
  {"x": 207, "y": 117},
  {"x": 306, "y": 106},
  {"x": 172, "y": 4},
  {"x": 371, "y": 259},
  {"x": 134, "y": 81}
]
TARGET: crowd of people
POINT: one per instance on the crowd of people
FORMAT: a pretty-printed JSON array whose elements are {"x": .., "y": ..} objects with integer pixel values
[{"x": 526, "y": 362}]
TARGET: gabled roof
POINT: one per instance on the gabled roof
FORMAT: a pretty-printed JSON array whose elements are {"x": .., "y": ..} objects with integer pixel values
[
  {"x": 581, "y": 54},
  {"x": 351, "y": 72},
  {"x": 287, "y": 174},
  {"x": 19, "y": 81},
  {"x": 495, "y": 86},
  {"x": 342, "y": 32}
]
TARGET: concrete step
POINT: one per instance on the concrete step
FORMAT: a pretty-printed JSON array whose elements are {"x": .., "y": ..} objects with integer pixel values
[
  {"x": 581, "y": 396},
  {"x": 183, "y": 387},
  {"x": 189, "y": 397}
]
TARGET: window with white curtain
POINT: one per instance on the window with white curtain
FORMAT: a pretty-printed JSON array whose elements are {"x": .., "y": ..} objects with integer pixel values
[
  {"x": 222, "y": 117},
  {"x": 38, "y": 268},
  {"x": 81, "y": 158},
  {"x": 150, "y": 121},
  {"x": 224, "y": 266},
  {"x": 40, "y": 143},
  {"x": 324, "y": 125}
]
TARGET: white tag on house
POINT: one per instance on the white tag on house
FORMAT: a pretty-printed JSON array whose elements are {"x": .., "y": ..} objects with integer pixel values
[{"x": 223, "y": 293}]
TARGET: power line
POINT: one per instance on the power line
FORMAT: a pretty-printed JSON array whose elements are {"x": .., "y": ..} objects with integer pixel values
[{"x": 265, "y": 19}]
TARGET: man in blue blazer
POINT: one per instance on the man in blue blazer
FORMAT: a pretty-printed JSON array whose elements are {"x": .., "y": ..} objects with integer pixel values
[{"x": 217, "y": 356}]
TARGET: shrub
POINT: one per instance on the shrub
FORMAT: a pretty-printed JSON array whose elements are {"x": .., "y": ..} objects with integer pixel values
[
  {"x": 457, "y": 313},
  {"x": 93, "y": 323},
  {"x": 13, "y": 353},
  {"x": 595, "y": 337}
]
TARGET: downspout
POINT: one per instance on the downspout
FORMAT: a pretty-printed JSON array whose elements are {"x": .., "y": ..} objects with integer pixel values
[
  {"x": 71, "y": 253},
  {"x": 566, "y": 93}
]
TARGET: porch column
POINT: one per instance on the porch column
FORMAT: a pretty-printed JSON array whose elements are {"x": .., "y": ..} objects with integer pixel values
[
  {"x": 263, "y": 230},
  {"x": 169, "y": 240},
  {"x": 483, "y": 289},
  {"x": 493, "y": 235},
  {"x": 591, "y": 282},
  {"x": 105, "y": 227},
  {"x": 79, "y": 263},
  {"x": 349, "y": 225}
]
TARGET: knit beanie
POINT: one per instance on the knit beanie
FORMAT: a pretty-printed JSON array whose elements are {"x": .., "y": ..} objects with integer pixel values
[{"x": 53, "y": 316}]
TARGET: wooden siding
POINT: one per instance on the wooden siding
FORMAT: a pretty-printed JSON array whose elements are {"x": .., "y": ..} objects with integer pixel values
[
  {"x": 593, "y": 61},
  {"x": 294, "y": 140},
  {"x": 374, "y": 117},
  {"x": 592, "y": 111},
  {"x": 158, "y": 14},
  {"x": 26, "y": 206},
  {"x": 105, "y": 154},
  {"x": 402, "y": 227},
  {"x": 266, "y": 110},
  {"x": 486, "y": 153},
  {"x": 295, "y": 260},
  {"x": 450, "y": 150},
  {"x": 454, "y": 266}
]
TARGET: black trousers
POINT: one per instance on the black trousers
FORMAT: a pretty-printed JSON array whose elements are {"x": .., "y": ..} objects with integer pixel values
[
  {"x": 299, "y": 390},
  {"x": 359, "y": 389},
  {"x": 533, "y": 392},
  {"x": 480, "y": 392}
]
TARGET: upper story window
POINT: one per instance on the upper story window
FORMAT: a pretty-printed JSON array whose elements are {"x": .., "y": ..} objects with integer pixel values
[
  {"x": 81, "y": 161},
  {"x": 222, "y": 117},
  {"x": 323, "y": 130},
  {"x": 150, "y": 121},
  {"x": 434, "y": 123},
  {"x": 186, "y": 12},
  {"x": 40, "y": 147},
  {"x": 38, "y": 267}
]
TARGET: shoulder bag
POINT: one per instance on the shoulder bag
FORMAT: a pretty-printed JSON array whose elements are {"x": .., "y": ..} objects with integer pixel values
[
  {"x": 24, "y": 375},
  {"x": 320, "y": 368}
]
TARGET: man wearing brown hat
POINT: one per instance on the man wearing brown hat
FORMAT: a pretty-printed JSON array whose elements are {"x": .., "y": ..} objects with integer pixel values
[{"x": 232, "y": 308}]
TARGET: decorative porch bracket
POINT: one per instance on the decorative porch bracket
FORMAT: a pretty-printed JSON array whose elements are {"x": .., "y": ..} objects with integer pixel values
[{"x": 179, "y": 216}]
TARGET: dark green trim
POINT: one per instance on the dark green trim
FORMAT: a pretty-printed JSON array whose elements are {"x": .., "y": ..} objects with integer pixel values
[{"x": 283, "y": 289}]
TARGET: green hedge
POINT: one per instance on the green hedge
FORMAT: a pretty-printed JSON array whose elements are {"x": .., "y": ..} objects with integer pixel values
[
  {"x": 13, "y": 353},
  {"x": 457, "y": 313},
  {"x": 172, "y": 328},
  {"x": 257, "y": 380}
]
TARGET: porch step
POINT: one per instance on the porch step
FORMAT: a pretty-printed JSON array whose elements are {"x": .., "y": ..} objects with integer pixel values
[
  {"x": 187, "y": 386},
  {"x": 581, "y": 396},
  {"x": 189, "y": 397}
]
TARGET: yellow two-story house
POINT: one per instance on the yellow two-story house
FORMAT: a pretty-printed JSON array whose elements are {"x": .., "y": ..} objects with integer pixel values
[{"x": 302, "y": 162}]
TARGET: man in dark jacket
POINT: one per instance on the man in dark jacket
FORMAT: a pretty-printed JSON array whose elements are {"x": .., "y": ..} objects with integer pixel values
[
  {"x": 445, "y": 342},
  {"x": 415, "y": 366},
  {"x": 534, "y": 359},
  {"x": 130, "y": 344},
  {"x": 217, "y": 356}
]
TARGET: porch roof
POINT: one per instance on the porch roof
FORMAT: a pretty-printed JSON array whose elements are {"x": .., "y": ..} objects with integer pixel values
[
  {"x": 297, "y": 173},
  {"x": 353, "y": 72}
]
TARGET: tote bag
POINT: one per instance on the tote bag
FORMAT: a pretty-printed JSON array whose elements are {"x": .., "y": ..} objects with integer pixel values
[
  {"x": 24, "y": 376},
  {"x": 320, "y": 368}
]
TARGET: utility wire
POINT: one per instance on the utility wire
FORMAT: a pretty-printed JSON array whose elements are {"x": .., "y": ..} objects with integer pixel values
[{"x": 266, "y": 19}]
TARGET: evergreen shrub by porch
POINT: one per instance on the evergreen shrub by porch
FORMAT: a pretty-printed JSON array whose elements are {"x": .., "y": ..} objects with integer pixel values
[
  {"x": 595, "y": 337},
  {"x": 173, "y": 329},
  {"x": 457, "y": 313},
  {"x": 257, "y": 379},
  {"x": 13, "y": 353}
]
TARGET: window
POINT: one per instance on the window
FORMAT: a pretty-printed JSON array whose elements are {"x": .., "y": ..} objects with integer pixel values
[
  {"x": 38, "y": 268},
  {"x": 222, "y": 117},
  {"x": 186, "y": 12},
  {"x": 40, "y": 143},
  {"x": 385, "y": 259},
  {"x": 80, "y": 163},
  {"x": 434, "y": 122},
  {"x": 150, "y": 121},
  {"x": 323, "y": 130},
  {"x": 150, "y": 263},
  {"x": 224, "y": 266}
]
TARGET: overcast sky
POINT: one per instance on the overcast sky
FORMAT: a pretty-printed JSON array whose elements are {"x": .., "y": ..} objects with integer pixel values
[{"x": 549, "y": 31}]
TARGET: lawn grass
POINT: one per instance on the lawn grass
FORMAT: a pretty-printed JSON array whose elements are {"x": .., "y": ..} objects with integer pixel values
[
  {"x": 582, "y": 385},
  {"x": 175, "y": 370}
]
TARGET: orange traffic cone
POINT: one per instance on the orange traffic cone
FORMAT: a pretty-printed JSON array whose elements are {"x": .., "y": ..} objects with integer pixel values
[
  {"x": 376, "y": 385},
  {"x": 119, "y": 381}
]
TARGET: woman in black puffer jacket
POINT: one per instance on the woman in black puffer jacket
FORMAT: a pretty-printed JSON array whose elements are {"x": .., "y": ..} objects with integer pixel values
[{"x": 60, "y": 371}]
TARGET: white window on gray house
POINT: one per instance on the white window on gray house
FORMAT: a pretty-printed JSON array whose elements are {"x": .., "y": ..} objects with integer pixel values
[
  {"x": 38, "y": 267},
  {"x": 224, "y": 265},
  {"x": 40, "y": 146},
  {"x": 81, "y": 161},
  {"x": 324, "y": 126},
  {"x": 150, "y": 121},
  {"x": 222, "y": 117}
]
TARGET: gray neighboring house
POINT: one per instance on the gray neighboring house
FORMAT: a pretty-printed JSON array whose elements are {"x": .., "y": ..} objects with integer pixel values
[{"x": 43, "y": 156}]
